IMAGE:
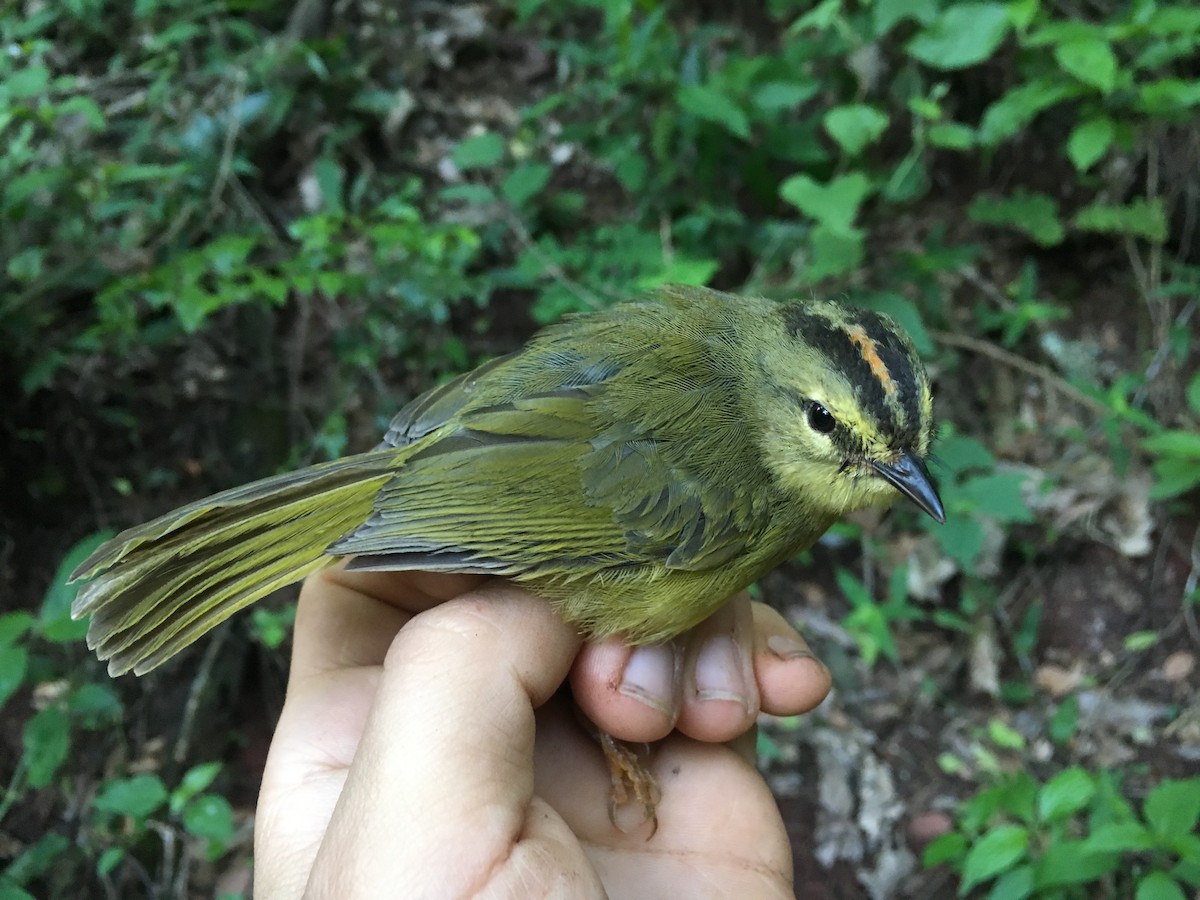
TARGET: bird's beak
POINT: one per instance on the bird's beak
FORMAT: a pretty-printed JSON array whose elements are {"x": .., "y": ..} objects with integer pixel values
[{"x": 909, "y": 476}]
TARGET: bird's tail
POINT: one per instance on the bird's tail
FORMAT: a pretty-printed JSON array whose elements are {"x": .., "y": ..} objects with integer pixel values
[{"x": 156, "y": 588}]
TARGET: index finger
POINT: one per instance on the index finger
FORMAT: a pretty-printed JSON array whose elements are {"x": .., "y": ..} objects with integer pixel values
[
  {"x": 440, "y": 795},
  {"x": 347, "y": 619}
]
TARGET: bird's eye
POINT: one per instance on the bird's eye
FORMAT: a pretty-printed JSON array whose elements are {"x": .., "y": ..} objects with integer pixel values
[{"x": 820, "y": 419}]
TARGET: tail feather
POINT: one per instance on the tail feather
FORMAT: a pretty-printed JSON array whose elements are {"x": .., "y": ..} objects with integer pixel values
[{"x": 156, "y": 588}]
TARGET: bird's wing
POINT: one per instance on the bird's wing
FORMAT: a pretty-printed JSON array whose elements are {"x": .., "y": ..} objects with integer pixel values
[
  {"x": 577, "y": 477},
  {"x": 437, "y": 406}
]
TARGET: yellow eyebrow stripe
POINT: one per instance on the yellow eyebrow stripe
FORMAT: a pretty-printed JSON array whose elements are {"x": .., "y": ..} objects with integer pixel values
[{"x": 870, "y": 352}]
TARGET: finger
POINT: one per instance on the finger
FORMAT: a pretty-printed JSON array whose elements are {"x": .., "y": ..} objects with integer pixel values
[
  {"x": 791, "y": 680},
  {"x": 720, "y": 697},
  {"x": 630, "y": 692},
  {"x": 346, "y": 618},
  {"x": 448, "y": 752},
  {"x": 341, "y": 636}
]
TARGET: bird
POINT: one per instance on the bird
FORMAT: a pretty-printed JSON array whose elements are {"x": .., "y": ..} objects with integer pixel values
[{"x": 635, "y": 466}]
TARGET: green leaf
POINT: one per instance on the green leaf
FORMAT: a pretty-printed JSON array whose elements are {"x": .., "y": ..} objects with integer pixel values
[
  {"x": 1005, "y": 736},
  {"x": 887, "y": 13},
  {"x": 54, "y": 619},
  {"x": 1034, "y": 214},
  {"x": 471, "y": 194},
  {"x": 525, "y": 182},
  {"x": 908, "y": 180},
  {"x": 1140, "y": 218},
  {"x": 1193, "y": 393},
  {"x": 1187, "y": 870},
  {"x": 631, "y": 169},
  {"x": 951, "y": 136},
  {"x": 478, "y": 151},
  {"x": 997, "y": 495},
  {"x": 1180, "y": 443},
  {"x": 1174, "y": 476},
  {"x": 10, "y": 891},
  {"x": 680, "y": 270},
  {"x": 1065, "y": 722},
  {"x": 963, "y": 542},
  {"x": 94, "y": 704},
  {"x": 1173, "y": 807},
  {"x": 1072, "y": 862},
  {"x": 81, "y": 109},
  {"x": 229, "y": 252},
  {"x": 271, "y": 626},
  {"x": 209, "y": 816},
  {"x": 1023, "y": 12},
  {"x": 835, "y": 205},
  {"x": 1169, "y": 95},
  {"x": 776, "y": 96},
  {"x": 109, "y": 859},
  {"x": 1176, "y": 19},
  {"x": 834, "y": 251},
  {"x": 30, "y": 82},
  {"x": 1015, "y": 884},
  {"x": 36, "y": 859},
  {"x": 1138, "y": 641},
  {"x": 821, "y": 17},
  {"x": 946, "y": 847},
  {"x": 1159, "y": 886},
  {"x": 196, "y": 779},
  {"x": 1090, "y": 141},
  {"x": 14, "y": 626},
  {"x": 46, "y": 739},
  {"x": 1065, "y": 794},
  {"x": 855, "y": 125},
  {"x": 714, "y": 106},
  {"x": 963, "y": 35},
  {"x": 1010, "y": 114},
  {"x": 1119, "y": 837},
  {"x": 1090, "y": 60},
  {"x": 131, "y": 173},
  {"x": 997, "y": 851},
  {"x": 27, "y": 265},
  {"x": 137, "y": 797},
  {"x": 959, "y": 453},
  {"x": 14, "y": 662},
  {"x": 331, "y": 180}
]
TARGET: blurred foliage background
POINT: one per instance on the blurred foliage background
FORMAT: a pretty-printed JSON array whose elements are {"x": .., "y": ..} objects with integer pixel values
[{"x": 236, "y": 235}]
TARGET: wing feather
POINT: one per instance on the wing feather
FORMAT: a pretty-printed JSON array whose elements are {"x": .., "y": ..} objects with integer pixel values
[{"x": 553, "y": 463}]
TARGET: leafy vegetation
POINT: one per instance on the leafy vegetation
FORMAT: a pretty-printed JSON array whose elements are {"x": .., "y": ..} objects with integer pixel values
[
  {"x": 273, "y": 222},
  {"x": 1075, "y": 833}
]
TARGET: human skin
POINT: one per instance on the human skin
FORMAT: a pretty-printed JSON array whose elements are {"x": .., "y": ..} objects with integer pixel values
[{"x": 424, "y": 749}]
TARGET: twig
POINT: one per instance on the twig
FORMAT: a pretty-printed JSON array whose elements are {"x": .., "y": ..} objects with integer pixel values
[
  {"x": 1189, "y": 588},
  {"x": 298, "y": 426},
  {"x": 1161, "y": 355},
  {"x": 169, "y": 861},
  {"x": 1047, "y": 375},
  {"x": 233, "y": 130},
  {"x": 971, "y": 274},
  {"x": 553, "y": 269},
  {"x": 196, "y": 692}
]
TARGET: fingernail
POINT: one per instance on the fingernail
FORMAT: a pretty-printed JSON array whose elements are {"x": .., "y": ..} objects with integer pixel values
[
  {"x": 649, "y": 677},
  {"x": 788, "y": 648},
  {"x": 720, "y": 674}
]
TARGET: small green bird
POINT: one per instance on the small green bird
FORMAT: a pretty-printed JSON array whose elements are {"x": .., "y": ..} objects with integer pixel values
[{"x": 635, "y": 466}]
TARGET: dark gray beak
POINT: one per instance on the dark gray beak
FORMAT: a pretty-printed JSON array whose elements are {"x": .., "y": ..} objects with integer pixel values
[{"x": 909, "y": 476}]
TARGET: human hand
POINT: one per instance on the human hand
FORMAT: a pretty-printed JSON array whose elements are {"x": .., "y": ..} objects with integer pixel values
[{"x": 421, "y": 751}]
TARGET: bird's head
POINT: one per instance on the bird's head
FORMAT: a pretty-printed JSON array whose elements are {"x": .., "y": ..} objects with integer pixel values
[{"x": 847, "y": 412}]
